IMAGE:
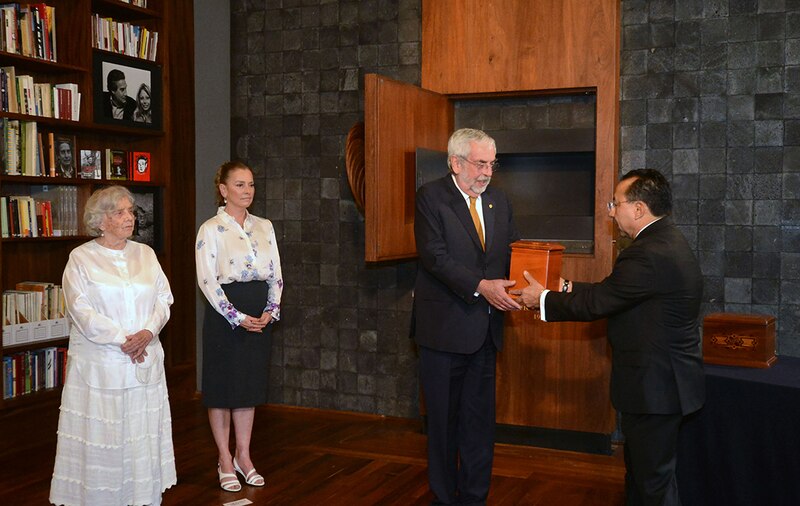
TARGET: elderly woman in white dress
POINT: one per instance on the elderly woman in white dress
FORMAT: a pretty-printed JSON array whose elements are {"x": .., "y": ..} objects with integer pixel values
[{"x": 114, "y": 429}]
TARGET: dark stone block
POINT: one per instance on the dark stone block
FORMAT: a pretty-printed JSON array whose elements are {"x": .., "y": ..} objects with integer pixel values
[
  {"x": 739, "y": 187},
  {"x": 792, "y": 25},
  {"x": 634, "y": 12},
  {"x": 741, "y": 133},
  {"x": 765, "y": 291},
  {"x": 792, "y": 52},
  {"x": 741, "y": 107},
  {"x": 687, "y": 33},
  {"x": 790, "y": 266},
  {"x": 712, "y": 186},
  {"x": 712, "y": 263},
  {"x": 742, "y": 82},
  {"x": 684, "y": 212},
  {"x": 769, "y": 133},
  {"x": 685, "y": 135},
  {"x": 634, "y": 62},
  {"x": 768, "y": 106},
  {"x": 766, "y": 186},
  {"x": 771, "y": 26},
  {"x": 686, "y": 110},
  {"x": 711, "y": 238},
  {"x": 659, "y": 110},
  {"x": 689, "y": 9},
  {"x": 741, "y": 28},
  {"x": 659, "y": 159},
  {"x": 713, "y": 134},
  {"x": 792, "y": 133},
  {"x": 714, "y": 57},
  {"x": 713, "y": 31},
  {"x": 767, "y": 265},
  {"x": 741, "y": 55},
  {"x": 685, "y": 161},
  {"x": 790, "y": 212},
  {"x": 713, "y": 109},
  {"x": 662, "y": 34},
  {"x": 661, "y": 60},
  {"x": 767, "y": 212},
  {"x": 636, "y": 37},
  {"x": 659, "y": 136},
  {"x": 792, "y": 79},
  {"x": 791, "y": 186},
  {"x": 767, "y": 239},
  {"x": 711, "y": 161},
  {"x": 791, "y": 159},
  {"x": 769, "y": 80},
  {"x": 711, "y": 212},
  {"x": 738, "y": 264},
  {"x": 769, "y": 53},
  {"x": 633, "y": 112},
  {"x": 737, "y": 212},
  {"x": 738, "y": 290},
  {"x": 687, "y": 84},
  {"x": 791, "y": 238},
  {"x": 738, "y": 238}
]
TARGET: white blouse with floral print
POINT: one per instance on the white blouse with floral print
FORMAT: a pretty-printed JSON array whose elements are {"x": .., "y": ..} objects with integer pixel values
[{"x": 226, "y": 252}]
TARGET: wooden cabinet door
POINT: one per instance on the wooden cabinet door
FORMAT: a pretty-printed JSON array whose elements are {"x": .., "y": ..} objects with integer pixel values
[{"x": 399, "y": 118}]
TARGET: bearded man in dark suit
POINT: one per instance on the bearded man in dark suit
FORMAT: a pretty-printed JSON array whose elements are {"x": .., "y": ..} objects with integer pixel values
[
  {"x": 463, "y": 231},
  {"x": 652, "y": 301}
]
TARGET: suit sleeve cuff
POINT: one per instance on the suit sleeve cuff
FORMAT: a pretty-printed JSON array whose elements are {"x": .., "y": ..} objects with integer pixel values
[{"x": 542, "y": 314}]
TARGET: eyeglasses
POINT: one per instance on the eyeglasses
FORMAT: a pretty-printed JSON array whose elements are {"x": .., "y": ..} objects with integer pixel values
[
  {"x": 494, "y": 166},
  {"x": 611, "y": 204}
]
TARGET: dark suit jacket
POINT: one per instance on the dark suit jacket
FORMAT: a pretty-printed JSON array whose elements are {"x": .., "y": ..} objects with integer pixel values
[
  {"x": 652, "y": 301},
  {"x": 130, "y": 106},
  {"x": 447, "y": 315}
]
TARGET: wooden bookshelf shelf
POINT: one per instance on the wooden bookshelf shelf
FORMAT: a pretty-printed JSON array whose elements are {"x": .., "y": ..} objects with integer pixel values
[
  {"x": 124, "y": 11},
  {"x": 170, "y": 143}
]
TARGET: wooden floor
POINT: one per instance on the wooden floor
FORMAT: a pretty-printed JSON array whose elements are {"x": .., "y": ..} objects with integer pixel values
[{"x": 313, "y": 457}]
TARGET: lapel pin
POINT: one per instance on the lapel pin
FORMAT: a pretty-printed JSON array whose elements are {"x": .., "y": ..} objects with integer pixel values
[{"x": 491, "y": 206}]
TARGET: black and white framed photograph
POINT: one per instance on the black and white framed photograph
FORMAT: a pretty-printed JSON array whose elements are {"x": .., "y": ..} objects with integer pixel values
[
  {"x": 65, "y": 156},
  {"x": 147, "y": 228},
  {"x": 91, "y": 164},
  {"x": 127, "y": 91}
]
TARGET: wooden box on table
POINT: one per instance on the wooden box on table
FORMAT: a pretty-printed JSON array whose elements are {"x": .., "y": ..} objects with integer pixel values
[{"x": 746, "y": 340}]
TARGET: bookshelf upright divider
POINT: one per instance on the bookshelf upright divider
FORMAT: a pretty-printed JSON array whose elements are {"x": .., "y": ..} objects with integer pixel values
[{"x": 62, "y": 122}]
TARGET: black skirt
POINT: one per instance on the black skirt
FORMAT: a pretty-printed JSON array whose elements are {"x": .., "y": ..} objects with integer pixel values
[{"x": 235, "y": 361}]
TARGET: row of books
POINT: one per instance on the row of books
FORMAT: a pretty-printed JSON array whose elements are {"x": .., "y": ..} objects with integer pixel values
[
  {"x": 20, "y": 94},
  {"x": 33, "y": 301},
  {"x": 137, "y": 3},
  {"x": 29, "y": 30},
  {"x": 124, "y": 38},
  {"x": 34, "y": 370},
  {"x": 34, "y": 216}
]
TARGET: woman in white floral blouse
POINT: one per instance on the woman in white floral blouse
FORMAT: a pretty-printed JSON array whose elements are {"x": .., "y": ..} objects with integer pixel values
[{"x": 239, "y": 272}]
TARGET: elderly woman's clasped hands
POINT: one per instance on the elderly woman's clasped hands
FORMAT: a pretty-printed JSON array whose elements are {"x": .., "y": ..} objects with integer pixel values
[{"x": 136, "y": 344}]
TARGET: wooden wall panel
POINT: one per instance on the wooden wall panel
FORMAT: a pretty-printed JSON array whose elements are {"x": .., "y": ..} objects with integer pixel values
[
  {"x": 179, "y": 205},
  {"x": 479, "y": 46},
  {"x": 399, "y": 118}
]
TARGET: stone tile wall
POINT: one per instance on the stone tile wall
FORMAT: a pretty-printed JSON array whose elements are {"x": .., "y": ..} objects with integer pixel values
[{"x": 710, "y": 96}]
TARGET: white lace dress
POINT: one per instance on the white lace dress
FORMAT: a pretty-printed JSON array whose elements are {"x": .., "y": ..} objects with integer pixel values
[{"x": 115, "y": 428}]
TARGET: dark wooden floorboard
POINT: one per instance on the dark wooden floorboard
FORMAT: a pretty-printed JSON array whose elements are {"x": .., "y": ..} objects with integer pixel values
[{"x": 313, "y": 457}]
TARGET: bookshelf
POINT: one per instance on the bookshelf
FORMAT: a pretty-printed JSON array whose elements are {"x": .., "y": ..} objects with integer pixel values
[{"x": 168, "y": 139}]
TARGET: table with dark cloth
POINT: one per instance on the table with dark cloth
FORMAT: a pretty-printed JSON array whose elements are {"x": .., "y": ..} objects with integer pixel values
[{"x": 743, "y": 447}]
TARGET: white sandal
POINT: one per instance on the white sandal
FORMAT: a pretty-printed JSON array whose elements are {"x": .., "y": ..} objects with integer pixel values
[
  {"x": 252, "y": 478},
  {"x": 228, "y": 481}
]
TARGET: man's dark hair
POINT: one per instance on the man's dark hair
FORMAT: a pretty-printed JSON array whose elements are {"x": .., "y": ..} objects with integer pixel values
[
  {"x": 112, "y": 78},
  {"x": 652, "y": 188}
]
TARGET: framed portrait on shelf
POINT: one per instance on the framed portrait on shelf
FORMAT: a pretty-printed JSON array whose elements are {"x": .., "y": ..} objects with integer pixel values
[
  {"x": 91, "y": 164},
  {"x": 63, "y": 155},
  {"x": 127, "y": 91},
  {"x": 149, "y": 219}
]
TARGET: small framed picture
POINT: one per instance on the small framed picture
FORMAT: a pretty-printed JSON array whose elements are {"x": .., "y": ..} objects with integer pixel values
[
  {"x": 140, "y": 165},
  {"x": 63, "y": 155},
  {"x": 127, "y": 91},
  {"x": 91, "y": 164},
  {"x": 116, "y": 164},
  {"x": 147, "y": 228}
]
